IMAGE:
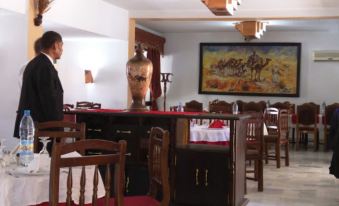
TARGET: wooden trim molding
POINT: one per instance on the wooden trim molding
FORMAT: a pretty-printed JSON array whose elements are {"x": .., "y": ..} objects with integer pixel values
[{"x": 150, "y": 40}]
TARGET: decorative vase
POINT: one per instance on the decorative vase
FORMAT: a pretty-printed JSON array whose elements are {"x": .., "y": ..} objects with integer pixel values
[{"x": 139, "y": 74}]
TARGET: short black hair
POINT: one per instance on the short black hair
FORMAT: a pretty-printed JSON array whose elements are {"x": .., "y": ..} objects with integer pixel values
[
  {"x": 49, "y": 38},
  {"x": 37, "y": 46}
]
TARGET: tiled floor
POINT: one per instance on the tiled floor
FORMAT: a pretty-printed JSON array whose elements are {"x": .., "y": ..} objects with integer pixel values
[{"x": 306, "y": 182}]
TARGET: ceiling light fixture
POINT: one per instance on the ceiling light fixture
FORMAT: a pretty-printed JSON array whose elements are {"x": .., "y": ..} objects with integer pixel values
[
  {"x": 222, "y": 7},
  {"x": 251, "y": 29}
]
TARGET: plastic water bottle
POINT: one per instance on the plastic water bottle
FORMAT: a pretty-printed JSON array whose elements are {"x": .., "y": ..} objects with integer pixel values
[
  {"x": 323, "y": 108},
  {"x": 268, "y": 104},
  {"x": 180, "y": 107},
  {"x": 235, "y": 108},
  {"x": 26, "y": 133}
]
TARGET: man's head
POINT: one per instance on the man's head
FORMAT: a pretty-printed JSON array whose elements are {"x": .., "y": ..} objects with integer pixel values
[
  {"x": 37, "y": 46},
  {"x": 51, "y": 43}
]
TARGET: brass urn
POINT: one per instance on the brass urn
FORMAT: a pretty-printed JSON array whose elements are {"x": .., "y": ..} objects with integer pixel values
[{"x": 139, "y": 74}]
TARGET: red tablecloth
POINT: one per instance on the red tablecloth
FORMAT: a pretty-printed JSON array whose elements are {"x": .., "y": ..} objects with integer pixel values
[{"x": 224, "y": 143}]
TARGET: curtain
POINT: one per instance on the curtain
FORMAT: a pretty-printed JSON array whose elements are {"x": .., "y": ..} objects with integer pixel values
[{"x": 155, "y": 87}]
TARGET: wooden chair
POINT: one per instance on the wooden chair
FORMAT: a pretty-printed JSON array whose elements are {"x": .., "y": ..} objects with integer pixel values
[
  {"x": 285, "y": 105},
  {"x": 292, "y": 116},
  {"x": 96, "y": 106},
  {"x": 84, "y": 105},
  {"x": 307, "y": 117},
  {"x": 193, "y": 106},
  {"x": 113, "y": 154},
  {"x": 329, "y": 111},
  {"x": 69, "y": 117},
  {"x": 158, "y": 171},
  {"x": 254, "y": 148},
  {"x": 174, "y": 108},
  {"x": 277, "y": 127},
  {"x": 220, "y": 107},
  {"x": 58, "y": 131},
  {"x": 68, "y": 107},
  {"x": 240, "y": 104},
  {"x": 254, "y": 107}
]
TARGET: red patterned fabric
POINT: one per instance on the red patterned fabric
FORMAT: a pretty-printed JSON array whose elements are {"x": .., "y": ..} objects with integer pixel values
[
  {"x": 154, "y": 56},
  {"x": 69, "y": 118},
  {"x": 140, "y": 201},
  {"x": 146, "y": 112},
  {"x": 101, "y": 110},
  {"x": 224, "y": 143},
  {"x": 294, "y": 118},
  {"x": 216, "y": 124},
  {"x": 128, "y": 201}
]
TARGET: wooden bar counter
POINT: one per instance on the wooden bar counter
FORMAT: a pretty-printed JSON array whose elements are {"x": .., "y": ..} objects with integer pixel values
[{"x": 134, "y": 127}]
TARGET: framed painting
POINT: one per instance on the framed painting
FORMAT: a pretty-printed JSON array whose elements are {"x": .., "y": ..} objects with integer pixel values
[{"x": 261, "y": 69}]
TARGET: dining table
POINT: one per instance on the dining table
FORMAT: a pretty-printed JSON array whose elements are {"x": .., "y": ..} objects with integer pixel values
[
  {"x": 21, "y": 186},
  {"x": 204, "y": 134}
]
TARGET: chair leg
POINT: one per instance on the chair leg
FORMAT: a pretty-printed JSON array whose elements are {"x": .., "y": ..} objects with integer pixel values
[
  {"x": 266, "y": 152},
  {"x": 287, "y": 156},
  {"x": 245, "y": 182},
  {"x": 297, "y": 139},
  {"x": 325, "y": 138},
  {"x": 260, "y": 175},
  {"x": 316, "y": 140},
  {"x": 256, "y": 170},
  {"x": 277, "y": 153}
]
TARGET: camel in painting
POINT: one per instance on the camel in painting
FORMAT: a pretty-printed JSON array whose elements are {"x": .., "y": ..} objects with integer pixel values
[{"x": 256, "y": 64}]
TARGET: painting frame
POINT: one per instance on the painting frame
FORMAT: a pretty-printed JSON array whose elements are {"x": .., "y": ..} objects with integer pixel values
[{"x": 250, "y": 69}]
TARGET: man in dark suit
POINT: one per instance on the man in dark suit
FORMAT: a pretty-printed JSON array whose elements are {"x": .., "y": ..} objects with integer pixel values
[{"x": 41, "y": 90}]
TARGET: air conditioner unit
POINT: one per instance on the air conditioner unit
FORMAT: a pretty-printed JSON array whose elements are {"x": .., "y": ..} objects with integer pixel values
[{"x": 326, "y": 55}]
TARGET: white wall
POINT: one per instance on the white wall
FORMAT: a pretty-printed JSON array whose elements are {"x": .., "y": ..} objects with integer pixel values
[
  {"x": 13, "y": 47},
  {"x": 318, "y": 80},
  {"x": 106, "y": 58},
  {"x": 18, "y": 6},
  {"x": 90, "y": 15}
]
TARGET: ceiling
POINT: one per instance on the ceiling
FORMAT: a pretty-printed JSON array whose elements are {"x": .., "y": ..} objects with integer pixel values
[{"x": 168, "y": 16}]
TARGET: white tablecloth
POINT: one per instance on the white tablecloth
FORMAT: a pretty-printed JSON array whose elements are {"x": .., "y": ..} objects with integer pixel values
[
  {"x": 21, "y": 190},
  {"x": 203, "y": 133}
]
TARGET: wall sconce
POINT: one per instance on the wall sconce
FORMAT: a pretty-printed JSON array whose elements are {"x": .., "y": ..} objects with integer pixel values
[
  {"x": 88, "y": 77},
  {"x": 251, "y": 29},
  {"x": 41, "y": 7},
  {"x": 222, "y": 7}
]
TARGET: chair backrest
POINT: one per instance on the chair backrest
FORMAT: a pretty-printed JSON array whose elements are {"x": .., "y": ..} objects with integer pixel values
[
  {"x": 307, "y": 114},
  {"x": 84, "y": 105},
  {"x": 58, "y": 131},
  {"x": 96, "y": 106},
  {"x": 317, "y": 106},
  {"x": 240, "y": 104},
  {"x": 254, "y": 132},
  {"x": 220, "y": 107},
  {"x": 271, "y": 117},
  {"x": 68, "y": 107},
  {"x": 283, "y": 124},
  {"x": 285, "y": 105},
  {"x": 193, "y": 106},
  {"x": 329, "y": 110},
  {"x": 113, "y": 154},
  {"x": 158, "y": 164},
  {"x": 254, "y": 106}
]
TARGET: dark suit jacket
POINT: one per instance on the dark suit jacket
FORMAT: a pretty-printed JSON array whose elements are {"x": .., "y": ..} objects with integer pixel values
[
  {"x": 41, "y": 92},
  {"x": 334, "y": 144}
]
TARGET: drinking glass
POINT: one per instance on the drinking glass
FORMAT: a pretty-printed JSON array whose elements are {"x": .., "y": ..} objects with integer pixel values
[{"x": 44, "y": 141}]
